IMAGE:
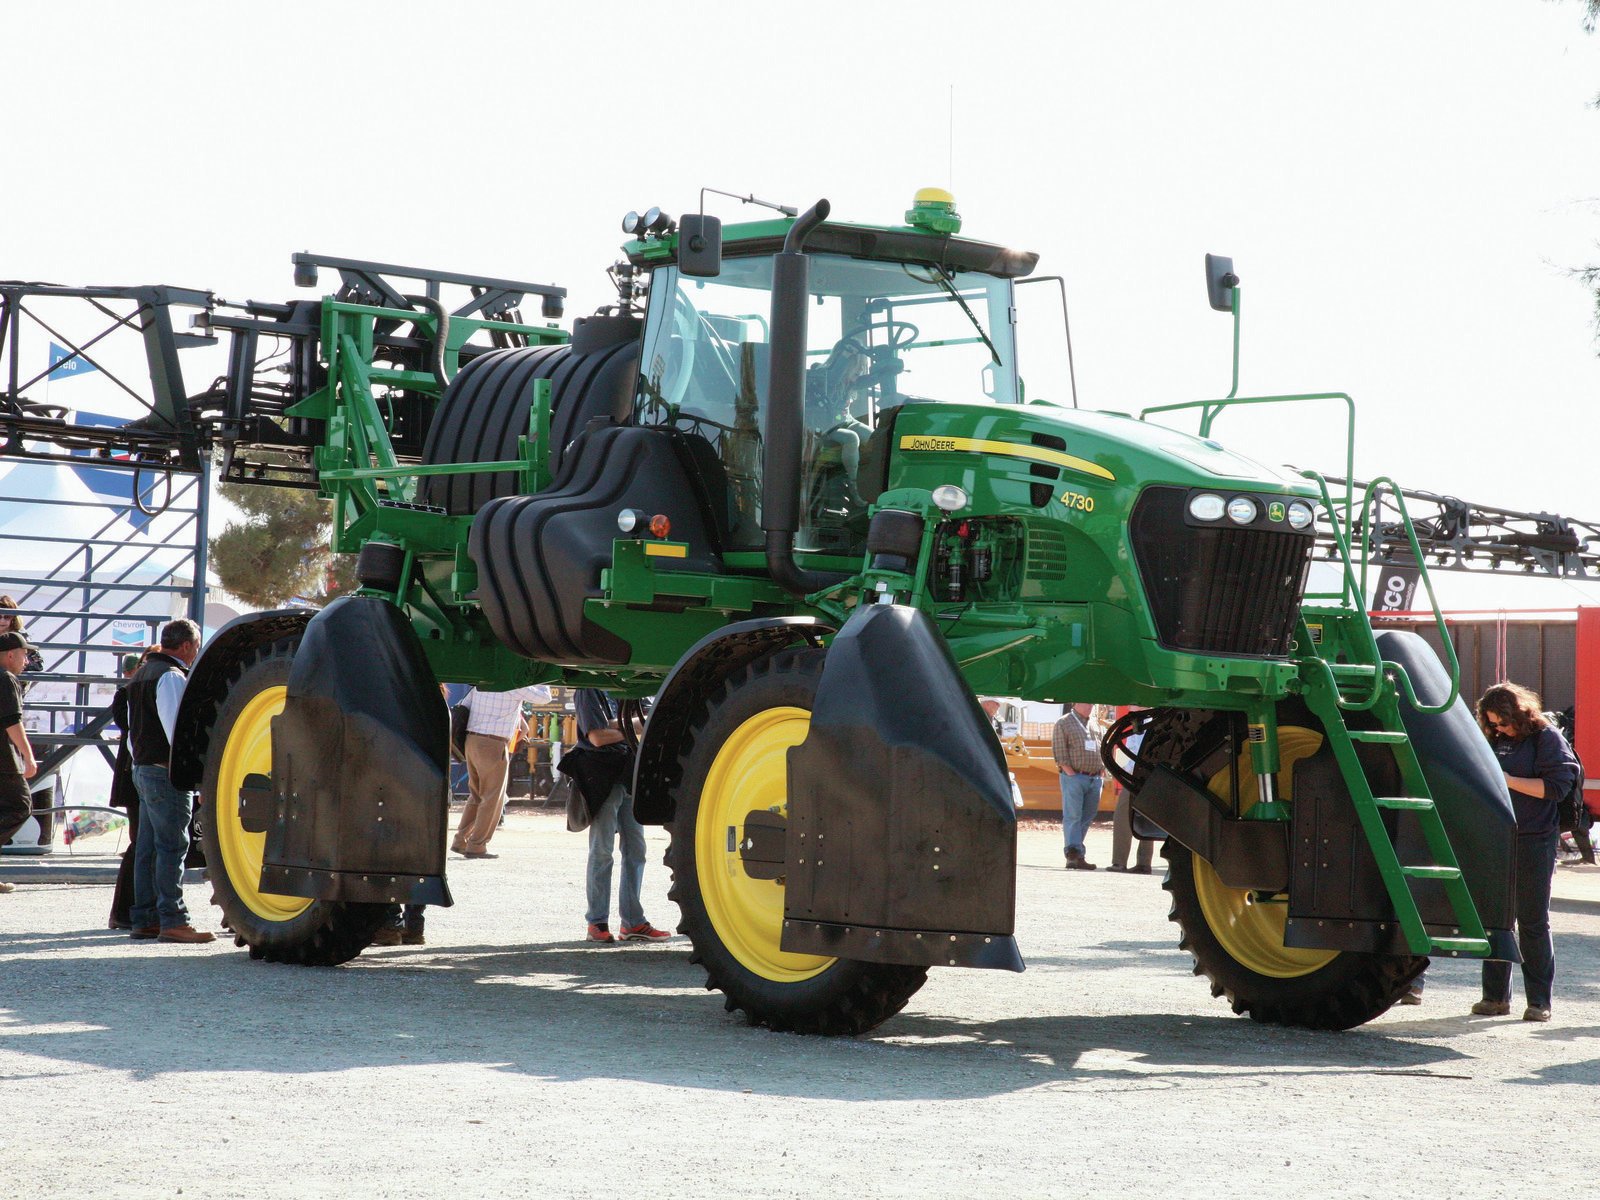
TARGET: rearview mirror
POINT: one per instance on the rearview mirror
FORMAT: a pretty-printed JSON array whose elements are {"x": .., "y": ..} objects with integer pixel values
[
  {"x": 700, "y": 245},
  {"x": 1220, "y": 282}
]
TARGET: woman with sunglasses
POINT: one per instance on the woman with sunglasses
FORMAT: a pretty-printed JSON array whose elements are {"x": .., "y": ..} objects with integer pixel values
[{"x": 1540, "y": 769}]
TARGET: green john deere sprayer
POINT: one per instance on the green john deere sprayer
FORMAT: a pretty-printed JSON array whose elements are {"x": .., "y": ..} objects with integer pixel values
[{"x": 790, "y": 486}]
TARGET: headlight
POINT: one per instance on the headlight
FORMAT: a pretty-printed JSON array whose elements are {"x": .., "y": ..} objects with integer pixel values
[
  {"x": 948, "y": 497},
  {"x": 1206, "y": 507},
  {"x": 1300, "y": 515},
  {"x": 1242, "y": 510},
  {"x": 633, "y": 521}
]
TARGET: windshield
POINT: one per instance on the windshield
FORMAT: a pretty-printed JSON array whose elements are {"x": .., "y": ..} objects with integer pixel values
[{"x": 878, "y": 335}]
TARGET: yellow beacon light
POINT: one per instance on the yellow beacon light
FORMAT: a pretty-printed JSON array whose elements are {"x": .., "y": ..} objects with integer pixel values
[{"x": 934, "y": 209}]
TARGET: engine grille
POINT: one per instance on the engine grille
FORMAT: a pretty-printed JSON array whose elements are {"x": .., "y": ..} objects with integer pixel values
[
  {"x": 1215, "y": 589},
  {"x": 1047, "y": 553}
]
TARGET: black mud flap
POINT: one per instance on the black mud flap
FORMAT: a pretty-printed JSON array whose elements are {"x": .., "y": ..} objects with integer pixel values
[
  {"x": 901, "y": 842},
  {"x": 1468, "y": 787},
  {"x": 360, "y": 757}
]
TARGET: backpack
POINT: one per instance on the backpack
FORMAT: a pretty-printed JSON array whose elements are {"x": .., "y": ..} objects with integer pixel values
[{"x": 1575, "y": 813}]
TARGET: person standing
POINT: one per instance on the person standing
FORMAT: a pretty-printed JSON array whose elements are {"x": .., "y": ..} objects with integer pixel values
[
  {"x": 494, "y": 719},
  {"x": 17, "y": 764},
  {"x": 600, "y": 726},
  {"x": 124, "y": 795},
  {"x": 1540, "y": 769},
  {"x": 1075, "y": 744},
  {"x": 1122, "y": 822},
  {"x": 154, "y": 694}
]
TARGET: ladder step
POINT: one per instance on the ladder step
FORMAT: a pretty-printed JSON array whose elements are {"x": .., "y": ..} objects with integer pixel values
[
  {"x": 1460, "y": 945},
  {"x": 1404, "y": 803},
  {"x": 1432, "y": 872},
  {"x": 1353, "y": 670},
  {"x": 1381, "y": 736}
]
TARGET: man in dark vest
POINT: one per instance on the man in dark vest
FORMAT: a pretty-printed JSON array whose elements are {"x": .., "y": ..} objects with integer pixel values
[{"x": 154, "y": 694}]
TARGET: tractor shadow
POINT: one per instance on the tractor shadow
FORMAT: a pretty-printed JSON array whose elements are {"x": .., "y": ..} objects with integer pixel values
[{"x": 570, "y": 1012}]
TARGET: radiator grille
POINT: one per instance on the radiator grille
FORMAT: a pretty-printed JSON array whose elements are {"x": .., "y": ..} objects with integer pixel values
[
  {"x": 1047, "y": 553},
  {"x": 1214, "y": 589}
]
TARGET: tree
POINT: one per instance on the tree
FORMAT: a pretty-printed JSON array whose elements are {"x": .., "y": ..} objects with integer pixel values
[{"x": 280, "y": 551}]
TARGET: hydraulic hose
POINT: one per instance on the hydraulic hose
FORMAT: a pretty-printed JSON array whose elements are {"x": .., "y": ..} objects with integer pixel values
[{"x": 441, "y": 337}]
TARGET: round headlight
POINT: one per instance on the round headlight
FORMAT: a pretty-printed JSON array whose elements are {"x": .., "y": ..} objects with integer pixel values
[
  {"x": 633, "y": 521},
  {"x": 948, "y": 497},
  {"x": 1206, "y": 507},
  {"x": 1242, "y": 510},
  {"x": 1300, "y": 515}
]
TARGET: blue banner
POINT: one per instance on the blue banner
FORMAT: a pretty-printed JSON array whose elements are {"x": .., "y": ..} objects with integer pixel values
[{"x": 64, "y": 366}]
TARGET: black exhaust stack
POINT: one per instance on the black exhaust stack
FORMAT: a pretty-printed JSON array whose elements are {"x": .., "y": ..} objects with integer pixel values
[{"x": 783, "y": 417}]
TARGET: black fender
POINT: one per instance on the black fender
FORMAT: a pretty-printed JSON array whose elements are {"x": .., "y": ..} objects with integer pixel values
[
  {"x": 1467, "y": 784},
  {"x": 236, "y": 641},
  {"x": 360, "y": 761},
  {"x": 707, "y": 663},
  {"x": 901, "y": 841}
]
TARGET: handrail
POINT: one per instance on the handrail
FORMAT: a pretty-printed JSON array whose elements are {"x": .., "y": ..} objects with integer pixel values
[
  {"x": 1401, "y": 675},
  {"x": 1211, "y": 409},
  {"x": 1353, "y": 598}
]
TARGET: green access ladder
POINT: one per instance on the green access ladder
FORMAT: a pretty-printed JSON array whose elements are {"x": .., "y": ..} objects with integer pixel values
[{"x": 1343, "y": 672}]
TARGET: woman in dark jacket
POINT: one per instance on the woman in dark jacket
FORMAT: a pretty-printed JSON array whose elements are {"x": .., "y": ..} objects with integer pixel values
[{"x": 1540, "y": 769}]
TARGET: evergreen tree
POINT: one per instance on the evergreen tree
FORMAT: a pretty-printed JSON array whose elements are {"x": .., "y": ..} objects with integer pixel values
[{"x": 281, "y": 548}]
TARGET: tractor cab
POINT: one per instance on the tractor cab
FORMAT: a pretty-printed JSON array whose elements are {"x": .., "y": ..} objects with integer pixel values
[{"x": 894, "y": 316}]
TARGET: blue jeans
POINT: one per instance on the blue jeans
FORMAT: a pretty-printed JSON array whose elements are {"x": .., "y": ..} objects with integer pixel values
[
  {"x": 613, "y": 817},
  {"x": 1080, "y": 801},
  {"x": 1536, "y": 863},
  {"x": 159, "y": 852}
]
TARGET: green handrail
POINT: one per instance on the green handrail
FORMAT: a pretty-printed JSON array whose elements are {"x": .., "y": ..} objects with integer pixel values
[
  {"x": 1211, "y": 409},
  {"x": 1352, "y": 598},
  {"x": 1374, "y": 488}
]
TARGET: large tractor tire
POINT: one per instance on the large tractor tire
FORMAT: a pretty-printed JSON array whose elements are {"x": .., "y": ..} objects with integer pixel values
[
  {"x": 276, "y": 928},
  {"x": 1236, "y": 938},
  {"x": 734, "y": 763}
]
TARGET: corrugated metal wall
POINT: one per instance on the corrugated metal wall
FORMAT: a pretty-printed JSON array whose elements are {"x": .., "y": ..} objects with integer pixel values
[{"x": 1542, "y": 655}]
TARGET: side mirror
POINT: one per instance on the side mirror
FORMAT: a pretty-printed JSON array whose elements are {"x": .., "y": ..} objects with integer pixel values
[
  {"x": 1220, "y": 282},
  {"x": 700, "y": 245}
]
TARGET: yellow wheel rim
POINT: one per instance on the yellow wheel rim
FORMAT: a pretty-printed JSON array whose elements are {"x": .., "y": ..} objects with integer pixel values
[
  {"x": 1250, "y": 931},
  {"x": 249, "y": 752},
  {"x": 750, "y": 773}
]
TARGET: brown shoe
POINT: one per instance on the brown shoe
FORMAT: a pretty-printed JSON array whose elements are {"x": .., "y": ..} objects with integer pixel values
[
  {"x": 1492, "y": 1008},
  {"x": 477, "y": 854},
  {"x": 186, "y": 934},
  {"x": 412, "y": 937},
  {"x": 387, "y": 936},
  {"x": 143, "y": 933}
]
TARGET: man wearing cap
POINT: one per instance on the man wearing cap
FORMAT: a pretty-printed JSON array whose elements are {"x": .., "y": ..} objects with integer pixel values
[
  {"x": 17, "y": 765},
  {"x": 154, "y": 694}
]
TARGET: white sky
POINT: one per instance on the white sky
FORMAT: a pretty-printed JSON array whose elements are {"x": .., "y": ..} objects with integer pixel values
[{"x": 1401, "y": 187}]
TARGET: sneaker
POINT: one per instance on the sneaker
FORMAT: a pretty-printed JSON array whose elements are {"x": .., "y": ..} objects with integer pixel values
[
  {"x": 1117, "y": 869},
  {"x": 599, "y": 933},
  {"x": 1491, "y": 1008},
  {"x": 389, "y": 935},
  {"x": 140, "y": 933},
  {"x": 1533, "y": 1013},
  {"x": 477, "y": 854},
  {"x": 1144, "y": 870},
  {"x": 1413, "y": 996},
  {"x": 186, "y": 934},
  {"x": 644, "y": 932},
  {"x": 7, "y": 887}
]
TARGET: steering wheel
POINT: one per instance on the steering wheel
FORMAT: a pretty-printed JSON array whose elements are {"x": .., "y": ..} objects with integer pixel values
[{"x": 898, "y": 333}]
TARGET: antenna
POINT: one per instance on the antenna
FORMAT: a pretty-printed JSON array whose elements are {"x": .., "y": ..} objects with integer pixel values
[{"x": 950, "y": 170}]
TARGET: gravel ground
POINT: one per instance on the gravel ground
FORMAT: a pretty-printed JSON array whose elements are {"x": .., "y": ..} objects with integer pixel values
[{"x": 506, "y": 1057}]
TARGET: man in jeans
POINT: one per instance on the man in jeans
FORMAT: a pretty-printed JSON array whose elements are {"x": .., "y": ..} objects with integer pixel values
[
  {"x": 154, "y": 694},
  {"x": 599, "y": 726},
  {"x": 494, "y": 719},
  {"x": 17, "y": 764},
  {"x": 1075, "y": 743}
]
